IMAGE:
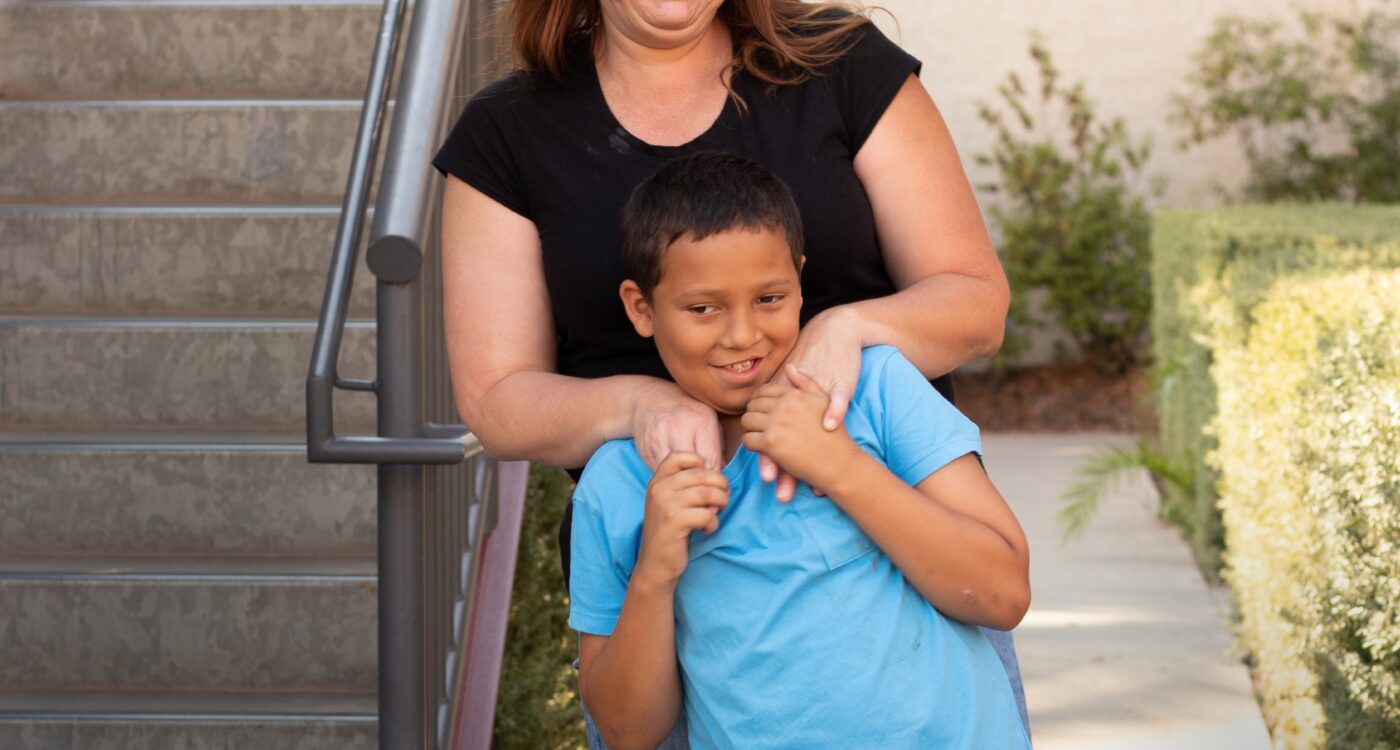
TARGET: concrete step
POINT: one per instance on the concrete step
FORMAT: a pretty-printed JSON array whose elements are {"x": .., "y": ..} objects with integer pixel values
[
  {"x": 188, "y": 720},
  {"x": 171, "y": 624},
  {"x": 145, "y": 374},
  {"x": 180, "y": 495},
  {"x": 232, "y": 260},
  {"x": 176, "y": 152},
  {"x": 140, "y": 49}
]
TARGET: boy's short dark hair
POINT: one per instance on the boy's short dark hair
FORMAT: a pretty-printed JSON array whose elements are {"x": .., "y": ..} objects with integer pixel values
[{"x": 699, "y": 195}]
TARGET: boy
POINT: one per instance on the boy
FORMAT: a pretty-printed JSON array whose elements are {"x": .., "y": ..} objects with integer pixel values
[{"x": 826, "y": 622}]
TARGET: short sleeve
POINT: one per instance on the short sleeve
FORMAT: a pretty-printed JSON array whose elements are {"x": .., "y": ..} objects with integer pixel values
[
  {"x": 870, "y": 75},
  {"x": 922, "y": 431},
  {"x": 481, "y": 149},
  {"x": 603, "y": 545}
]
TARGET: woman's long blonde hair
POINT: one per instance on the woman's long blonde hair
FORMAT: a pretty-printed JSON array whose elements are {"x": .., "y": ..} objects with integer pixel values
[{"x": 781, "y": 42}]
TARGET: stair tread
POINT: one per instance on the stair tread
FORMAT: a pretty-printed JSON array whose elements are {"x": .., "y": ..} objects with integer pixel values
[
  {"x": 215, "y": 706},
  {"x": 243, "y": 569},
  {"x": 181, "y": 209},
  {"x": 50, "y": 320},
  {"x": 15, "y": 104},
  {"x": 27, "y": 438}
]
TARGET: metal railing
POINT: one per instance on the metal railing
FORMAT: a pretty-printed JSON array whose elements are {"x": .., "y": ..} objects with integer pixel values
[{"x": 448, "y": 515}]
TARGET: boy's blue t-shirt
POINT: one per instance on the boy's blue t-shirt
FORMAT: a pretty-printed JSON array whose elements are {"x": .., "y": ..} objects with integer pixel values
[{"x": 792, "y": 629}]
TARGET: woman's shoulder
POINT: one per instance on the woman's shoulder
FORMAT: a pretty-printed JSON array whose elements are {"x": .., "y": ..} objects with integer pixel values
[
  {"x": 868, "y": 46},
  {"x": 505, "y": 97}
]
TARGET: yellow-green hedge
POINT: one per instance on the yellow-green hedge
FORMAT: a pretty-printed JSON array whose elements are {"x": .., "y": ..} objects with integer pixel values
[
  {"x": 1308, "y": 423},
  {"x": 1234, "y": 256}
]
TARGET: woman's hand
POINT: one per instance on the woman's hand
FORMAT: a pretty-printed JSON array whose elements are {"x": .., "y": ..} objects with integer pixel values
[
  {"x": 828, "y": 352},
  {"x": 665, "y": 420}
]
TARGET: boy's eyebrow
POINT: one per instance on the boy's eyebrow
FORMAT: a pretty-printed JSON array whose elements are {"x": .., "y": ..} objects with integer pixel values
[{"x": 708, "y": 292}]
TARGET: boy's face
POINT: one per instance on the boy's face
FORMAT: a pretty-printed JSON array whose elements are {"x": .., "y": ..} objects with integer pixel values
[{"x": 724, "y": 314}]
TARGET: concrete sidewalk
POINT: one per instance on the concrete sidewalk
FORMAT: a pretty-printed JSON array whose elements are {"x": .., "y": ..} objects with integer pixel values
[{"x": 1126, "y": 646}]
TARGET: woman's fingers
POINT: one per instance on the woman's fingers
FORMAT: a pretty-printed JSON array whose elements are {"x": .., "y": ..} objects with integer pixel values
[
  {"x": 665, "y": 420},
  {"x": 787, "y": 487},
  {"x": 709, "y": 443},
  {"x": 835, "y": 416},
  {"x": 767, "y": 468}
]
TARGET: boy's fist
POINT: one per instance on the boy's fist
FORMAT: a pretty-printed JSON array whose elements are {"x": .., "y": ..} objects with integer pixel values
[
  {"x": 784, "y": 422},
  {"x": 683, "y": 497}
]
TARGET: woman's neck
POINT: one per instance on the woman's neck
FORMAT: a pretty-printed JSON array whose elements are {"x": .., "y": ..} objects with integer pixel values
[{"x": 666, "y": 96}]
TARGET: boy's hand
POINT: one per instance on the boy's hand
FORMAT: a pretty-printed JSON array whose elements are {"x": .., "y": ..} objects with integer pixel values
[
  {"x": 785, "y": 423},
  {"x": 683, "y": 497}
]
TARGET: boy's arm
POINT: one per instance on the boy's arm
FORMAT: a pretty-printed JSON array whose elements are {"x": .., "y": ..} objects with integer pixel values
[
  {"x": 629, "y": 679},
  {"x": 952, "y": 535}
]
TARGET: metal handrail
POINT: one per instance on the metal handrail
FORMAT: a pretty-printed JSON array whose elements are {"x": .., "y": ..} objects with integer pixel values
[
  {"x": 322, "y": 444},
  {"x": 447, "y": 534}
]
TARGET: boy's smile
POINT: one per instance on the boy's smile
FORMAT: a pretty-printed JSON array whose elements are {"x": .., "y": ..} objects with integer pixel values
[{"x": 725, "y": 313}]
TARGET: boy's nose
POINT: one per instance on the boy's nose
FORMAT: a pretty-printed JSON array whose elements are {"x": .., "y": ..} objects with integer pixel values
[{"x": 741, "y": 333}]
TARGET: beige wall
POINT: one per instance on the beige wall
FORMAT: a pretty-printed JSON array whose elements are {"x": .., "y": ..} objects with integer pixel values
[{"x": 1131, "y": 54}]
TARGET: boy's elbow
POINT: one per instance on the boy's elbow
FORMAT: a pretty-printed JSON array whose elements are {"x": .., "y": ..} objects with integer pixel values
[
  {"x": 620, "y": 738},
  {"x": 1017, "y": 604},
  {"x": 620, "y": 732}
]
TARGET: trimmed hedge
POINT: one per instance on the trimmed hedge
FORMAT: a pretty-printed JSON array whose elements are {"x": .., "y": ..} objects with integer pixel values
[
  {"x": 1234, "y": 256},
  {"x": 538, "y": 707},
  {"x": 1277, "y": 331},
  {"x": 1309, "y": 435}
]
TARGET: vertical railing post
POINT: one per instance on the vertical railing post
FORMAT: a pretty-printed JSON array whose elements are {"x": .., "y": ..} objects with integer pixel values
[
  {"x": 401, "y": 597},
  {"x": 395, "y": 257}
]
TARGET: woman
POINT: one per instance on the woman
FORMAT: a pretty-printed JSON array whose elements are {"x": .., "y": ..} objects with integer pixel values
[{"x": 544, "y": 363}]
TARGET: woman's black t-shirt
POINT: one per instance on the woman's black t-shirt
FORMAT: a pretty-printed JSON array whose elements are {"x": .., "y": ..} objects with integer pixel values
[{"x": 552, "y": 152}]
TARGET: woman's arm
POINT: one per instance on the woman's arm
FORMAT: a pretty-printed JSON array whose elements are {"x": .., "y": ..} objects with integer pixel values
[
  {"x": 500, "y": 346},
  {"x": 951, "y": 307},
  {"x": 953, "y": 296}
]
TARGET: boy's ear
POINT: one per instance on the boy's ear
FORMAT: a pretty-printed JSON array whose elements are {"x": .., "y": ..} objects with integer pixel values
[
  {"x": 801, "y": 263},
  {"x": 637, "y": 307}
]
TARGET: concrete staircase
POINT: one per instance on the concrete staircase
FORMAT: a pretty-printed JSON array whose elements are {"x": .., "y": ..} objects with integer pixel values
[{"x": 172, "y": 572}]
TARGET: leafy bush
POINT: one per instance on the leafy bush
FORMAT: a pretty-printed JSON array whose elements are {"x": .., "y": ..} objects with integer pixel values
[
  {"x": 537, "y": 707},
  {"x": 1309, "y": 428},
  {"x": 1072, "y": 226},
  {"x": 1236, "y": 255},
  {"x": 1316, "y": 110}
]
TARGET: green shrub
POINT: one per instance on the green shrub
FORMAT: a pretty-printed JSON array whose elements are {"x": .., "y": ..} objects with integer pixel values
[
  {"x": 1308, "y": 387},
  {"x": 1235, "y": 255},
  {"x": 537, "y": 707},
  {"x": 1316, "y": 110},
  {"x": 1073, "y": 228}
]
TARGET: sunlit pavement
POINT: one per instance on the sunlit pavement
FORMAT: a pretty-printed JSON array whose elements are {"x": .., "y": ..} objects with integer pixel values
[{"x": 1125, "y": 646}]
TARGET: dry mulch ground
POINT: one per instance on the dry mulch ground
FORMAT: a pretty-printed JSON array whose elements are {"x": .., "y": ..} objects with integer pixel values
[{"x": 1061, "y": 398}]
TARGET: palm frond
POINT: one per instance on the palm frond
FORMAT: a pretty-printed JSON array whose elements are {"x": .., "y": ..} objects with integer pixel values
[{"x": 1102, "y": 473}]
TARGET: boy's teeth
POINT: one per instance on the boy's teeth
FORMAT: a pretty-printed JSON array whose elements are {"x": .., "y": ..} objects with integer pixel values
[{"x": 740, "y": 366}]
